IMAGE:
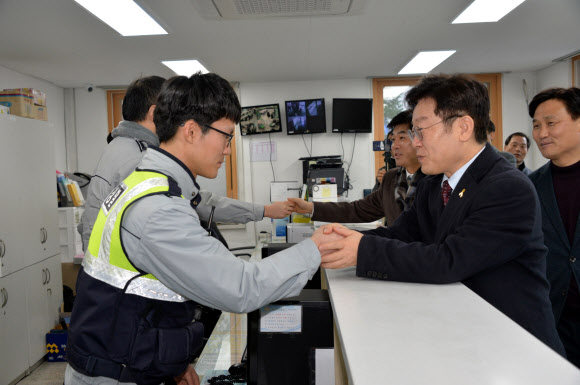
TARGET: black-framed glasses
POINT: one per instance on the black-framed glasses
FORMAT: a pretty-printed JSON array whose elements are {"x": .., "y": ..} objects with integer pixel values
[
  {"x": 228, "y": 136},
  {"x": 418, "y": 131}
]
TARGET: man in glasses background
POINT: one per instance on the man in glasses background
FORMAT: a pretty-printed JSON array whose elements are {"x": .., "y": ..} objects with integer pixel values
[
  {"x": 120, "y": 157},
  {"x": 395, "y": 193},
  {"x": 475, "y": 219}
]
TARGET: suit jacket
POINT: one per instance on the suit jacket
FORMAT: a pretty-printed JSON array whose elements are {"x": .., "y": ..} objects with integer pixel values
[
  {"x": 524, "y": 169},
  {"x": 561, "y": 255},
  {"x": 489, "y": 237},
  {"x": 380, "y": 203}
]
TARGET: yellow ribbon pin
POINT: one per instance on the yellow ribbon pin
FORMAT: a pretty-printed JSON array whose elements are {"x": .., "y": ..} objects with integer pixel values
[{"x": 461, "y": 193}]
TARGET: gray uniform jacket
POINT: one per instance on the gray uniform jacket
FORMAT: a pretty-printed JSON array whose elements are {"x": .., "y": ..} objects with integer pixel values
[
  {"x": 118, "y": 161},
  {"x": 163, "y": 236}
]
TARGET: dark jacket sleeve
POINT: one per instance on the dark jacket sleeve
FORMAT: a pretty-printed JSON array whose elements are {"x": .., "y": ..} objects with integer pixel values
[
  {"x": 368, "y": 209},
  {"x": 496, "y": 226}
]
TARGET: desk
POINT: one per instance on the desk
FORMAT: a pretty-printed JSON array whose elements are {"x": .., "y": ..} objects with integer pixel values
[{"x": 404, "y": 333}]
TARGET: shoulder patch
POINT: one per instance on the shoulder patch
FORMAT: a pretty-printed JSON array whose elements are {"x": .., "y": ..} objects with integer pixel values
[{"x": 113, "y": 197}]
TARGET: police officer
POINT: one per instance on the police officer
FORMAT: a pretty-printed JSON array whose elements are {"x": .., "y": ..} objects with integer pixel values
[{"x": 150, "y": 262}]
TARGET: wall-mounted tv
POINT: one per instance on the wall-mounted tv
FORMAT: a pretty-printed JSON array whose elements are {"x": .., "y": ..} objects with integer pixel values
[
  {"x": 352, "y": 115},
  {"x": 260, "y": 119},
  {"x": 305, "y": 116}
]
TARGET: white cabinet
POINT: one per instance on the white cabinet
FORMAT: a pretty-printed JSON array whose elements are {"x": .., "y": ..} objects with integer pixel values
[
  {"x": 29, "y": 225},
  {"x": 44, "y": 292},
  {"x": 30, "y": 270},
  {"x": 13, "y": 327}
]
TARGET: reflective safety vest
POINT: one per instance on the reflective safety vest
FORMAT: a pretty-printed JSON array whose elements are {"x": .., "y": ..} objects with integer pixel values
[{"x": 125, "y": 323}]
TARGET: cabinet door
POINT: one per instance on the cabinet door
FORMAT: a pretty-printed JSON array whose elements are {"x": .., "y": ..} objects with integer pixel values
[
  {"x": 19, "y": 228},
  {"x": 44, "y": 289},
  {"x": 13, "y": 327},
  {"x": 46, "y": 204}
]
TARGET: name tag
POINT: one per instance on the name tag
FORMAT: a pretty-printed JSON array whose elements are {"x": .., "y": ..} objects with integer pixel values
[{"x": 113, "y": 197}]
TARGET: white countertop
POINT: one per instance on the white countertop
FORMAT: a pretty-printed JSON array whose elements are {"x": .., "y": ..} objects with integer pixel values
[{"x": 405, "y": 333}]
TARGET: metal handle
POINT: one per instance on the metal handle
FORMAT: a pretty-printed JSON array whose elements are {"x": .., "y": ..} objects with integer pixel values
[
  {"x": 45, "y": 235},
  {"x": 44, "y": 276},
  {"x": 48, "y": 271},
  {"x": 42, "y": 240},
  {"x": 2, "y": 248},
  {"x": 4, "y": 297}
]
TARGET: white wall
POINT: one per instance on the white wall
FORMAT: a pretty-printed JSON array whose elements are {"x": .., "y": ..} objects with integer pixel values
[
  {"x": 91, "y": 126},
  {"x": 256, "y": 176},
  {"x": 54, "y": 106}
]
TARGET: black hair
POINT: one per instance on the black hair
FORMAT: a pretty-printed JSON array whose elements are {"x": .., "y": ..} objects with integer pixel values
[
  {"x": 507, "y": 141},
  {"x": 204, "y": 98},
  {"x": 405, "y": 117},
  {"x": 490, "y": 127},
  {"x": 569, "y": 96},
  {"x": 140, "y": 96},
  {"x": 455, "y": 95}
]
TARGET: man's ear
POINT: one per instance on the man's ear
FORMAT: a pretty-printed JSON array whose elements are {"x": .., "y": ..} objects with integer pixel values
[
  {"x": 189, "y": 131},
  {"x": 150, "y": 113},
  {"x": 466, "y": 127}
]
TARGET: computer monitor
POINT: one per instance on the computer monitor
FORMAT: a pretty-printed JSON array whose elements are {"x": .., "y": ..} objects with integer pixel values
[
  {"x": 305, "y": 116},
  {"x": 352, "y": 115},
  {"x": 262, "y": 119}
]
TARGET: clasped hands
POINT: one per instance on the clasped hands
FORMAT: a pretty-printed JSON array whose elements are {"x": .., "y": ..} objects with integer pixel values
[{"x": 338, "y": 246}]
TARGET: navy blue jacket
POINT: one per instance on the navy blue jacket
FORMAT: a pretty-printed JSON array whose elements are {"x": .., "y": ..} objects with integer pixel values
[
  {"x": 562, "y": 256},
  {"x": 488, "y": 237}
]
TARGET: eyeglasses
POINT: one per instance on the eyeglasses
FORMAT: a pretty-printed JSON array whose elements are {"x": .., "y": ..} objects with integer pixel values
[
  {"x": 417, "y": 131},
  {"x": 228, "y": 136}
]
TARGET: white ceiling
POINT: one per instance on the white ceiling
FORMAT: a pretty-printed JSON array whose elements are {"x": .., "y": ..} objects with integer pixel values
[{"x": 57, "y": 40}]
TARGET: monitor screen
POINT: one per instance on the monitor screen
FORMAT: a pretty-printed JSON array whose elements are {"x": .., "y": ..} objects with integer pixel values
[
  {"x": 352, "y": 115},
  {"x": 305, "y": 116},
  {"x": 260, "y": 119}
]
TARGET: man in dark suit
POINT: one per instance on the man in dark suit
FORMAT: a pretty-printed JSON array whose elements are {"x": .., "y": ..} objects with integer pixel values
[
  {"x": 475, "y": 219},
  {"x": 556, "y": 130}
]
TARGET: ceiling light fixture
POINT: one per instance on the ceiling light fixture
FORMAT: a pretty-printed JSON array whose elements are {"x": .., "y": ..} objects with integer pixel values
[
  {"x": 185, "y": 67},
  {"x": 124, "y": 16},
  {"x": 486, "y": 11},
  {"x": 425, "y": 61}
]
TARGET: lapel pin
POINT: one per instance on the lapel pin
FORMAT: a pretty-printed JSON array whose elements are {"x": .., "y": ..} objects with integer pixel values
[{"x": 461, "y": 193}]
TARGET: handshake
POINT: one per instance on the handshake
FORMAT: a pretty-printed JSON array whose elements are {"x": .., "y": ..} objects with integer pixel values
[{"x": 338, "y": 245}]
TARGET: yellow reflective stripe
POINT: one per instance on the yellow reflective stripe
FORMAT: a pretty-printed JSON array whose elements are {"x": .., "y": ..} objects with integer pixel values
[
  {"x": 116, "y": 276},
  {"x": 146, "y": 186}
]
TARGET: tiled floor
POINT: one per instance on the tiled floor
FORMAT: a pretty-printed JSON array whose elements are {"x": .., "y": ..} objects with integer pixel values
[{"x": 48, "y": 373}]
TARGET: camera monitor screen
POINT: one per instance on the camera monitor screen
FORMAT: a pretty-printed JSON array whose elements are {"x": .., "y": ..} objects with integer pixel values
[
  {"x": 352, "y": 115},
  {"x": 305, "y": 116},
  {"x": 260, "y": 119}
]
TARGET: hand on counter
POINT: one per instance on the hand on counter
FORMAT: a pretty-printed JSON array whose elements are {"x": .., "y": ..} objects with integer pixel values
[
  {"x": 342, "y": 252},
  {"x": 301, "y": 206},
  {"x": 279, "y": 210},
  {"x": 189, "y": 377}
]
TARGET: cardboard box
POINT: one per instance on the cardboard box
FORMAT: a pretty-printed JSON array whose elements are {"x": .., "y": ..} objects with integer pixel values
[
  {"x": 19, "y": 104},
  {"x": 56, "y": 345},
  {"x": 38, "y": 97},
  {"x": 39, "y": 112},
  {"x": 70, "y": 272}
]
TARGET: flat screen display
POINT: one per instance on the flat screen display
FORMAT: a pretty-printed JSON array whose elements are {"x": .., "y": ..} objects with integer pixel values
[
  {"x": 305, "y": 116},
  {"x": 352, "y": 115},
  {"x": 260, "y": 119}
]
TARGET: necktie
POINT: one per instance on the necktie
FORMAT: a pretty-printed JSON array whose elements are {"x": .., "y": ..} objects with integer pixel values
[{"x": 446, "y": 191}]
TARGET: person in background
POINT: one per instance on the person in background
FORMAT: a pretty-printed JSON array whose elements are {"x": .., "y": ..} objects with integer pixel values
[
  {"x": 150, "y": 262},
  {"x": 388, "y": 160},
  {"x": 475, "y": 218},
  {"x": 397, "y": 189},
  {"x": 130, "y": 139},
  {"x": 556, "y": 130},
  {"x": 518, "y": 145},
  {"x": 490, "y": 136}
]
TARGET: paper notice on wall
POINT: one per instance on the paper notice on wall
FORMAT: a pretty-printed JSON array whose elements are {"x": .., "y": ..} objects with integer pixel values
[
  {"x": 281, "y": 191},
  {"x": 262, "y": 151}
]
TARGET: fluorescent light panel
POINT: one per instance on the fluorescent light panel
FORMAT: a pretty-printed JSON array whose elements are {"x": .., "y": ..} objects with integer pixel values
[
  {"x": 425, "y": 61},
  {"x": 185, "y": 67},
  {"x": 124, "y": 16},
  {"x": 486, "y": 11}
]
